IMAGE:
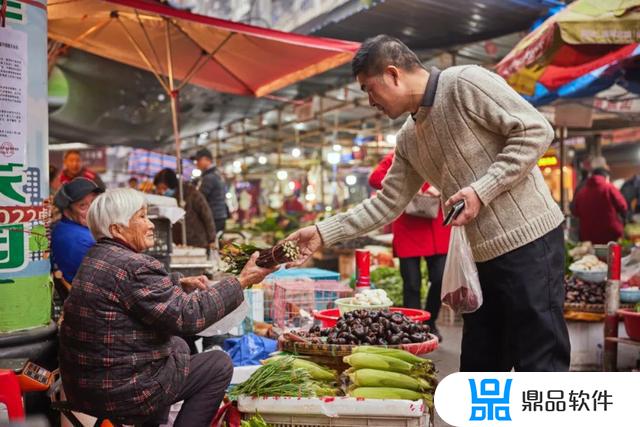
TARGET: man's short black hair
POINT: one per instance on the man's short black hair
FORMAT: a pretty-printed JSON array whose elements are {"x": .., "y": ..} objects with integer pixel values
[
  {"x": 382, "y": 50},
  {"x": 70, "y": 152},
  {"x": 203, "y": 152},
  {"x": 600, "y": 172},
  {"x": 166, "y": 176}
]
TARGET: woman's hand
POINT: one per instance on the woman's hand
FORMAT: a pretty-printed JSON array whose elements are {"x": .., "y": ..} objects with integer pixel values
[
  {"x": 251, "y": 274},
  {"x": 194, "y": 282}
]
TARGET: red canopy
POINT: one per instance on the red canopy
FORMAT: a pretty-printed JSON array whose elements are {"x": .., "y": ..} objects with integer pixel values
[{"x": 214, "y": 53}]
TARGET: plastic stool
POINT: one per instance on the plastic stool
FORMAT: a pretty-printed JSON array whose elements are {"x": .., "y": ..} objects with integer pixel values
[
  {"x": 11, "y": 395},
  {"x": 65, "y": 408}
]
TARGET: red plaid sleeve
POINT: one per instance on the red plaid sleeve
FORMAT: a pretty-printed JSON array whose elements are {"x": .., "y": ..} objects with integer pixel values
[{"x": 153, "y": 297}]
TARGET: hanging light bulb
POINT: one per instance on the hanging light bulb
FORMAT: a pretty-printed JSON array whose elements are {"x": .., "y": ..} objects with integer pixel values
[
  {"x": 296, "y": 152},
  {"x": 282, "y": 174},
  {"x": 196, "y": 173},
  {"x": 333, "y": 158},
  {"x": 351, "y": 180},
  {"x": 291, "y": 185},
  {"x": 337, "y": 147},
  {"x": 391, "y": 139},
  {"x": 263, "y": 160}
]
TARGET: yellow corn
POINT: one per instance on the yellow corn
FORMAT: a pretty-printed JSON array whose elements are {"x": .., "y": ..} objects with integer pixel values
[
  {"x": 385, "y": 393},
  {"x": 377, "y": 378},
  {"x": 391, "y": 352},
  {"x": 316, "y": 371},
  {"x": 378, "y": 361}
]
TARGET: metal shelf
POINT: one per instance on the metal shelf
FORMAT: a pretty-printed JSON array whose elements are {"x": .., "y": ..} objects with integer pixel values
[{"x": 623, "y": 341}]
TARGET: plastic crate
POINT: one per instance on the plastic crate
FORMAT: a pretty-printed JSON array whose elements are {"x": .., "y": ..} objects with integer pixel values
[
  {"x": 304, "y": 273},
  {"x": 326, "y": 292},
  {"x": 284, "y": 420},
  {"x": 290, "y": 297}
]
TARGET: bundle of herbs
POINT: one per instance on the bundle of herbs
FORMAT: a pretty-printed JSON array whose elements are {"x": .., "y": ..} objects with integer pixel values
[
  {"x": 288, "y": 376},
  {"x": 236, "y": 256}
]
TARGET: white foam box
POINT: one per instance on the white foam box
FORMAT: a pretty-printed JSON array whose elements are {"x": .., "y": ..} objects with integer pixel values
[
  {"x": 332, "y": 406},
  {"x": 242, "y": 373}
]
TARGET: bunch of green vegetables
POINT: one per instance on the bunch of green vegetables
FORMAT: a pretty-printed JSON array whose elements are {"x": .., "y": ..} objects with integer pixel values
[
  {"x": 384, "y": 373},
  {"x": 390, "y": 280},
  {"x": 254, "y": 421},
  {"x": 288, "y": 376},
  {"x": 638, "y": 307}
]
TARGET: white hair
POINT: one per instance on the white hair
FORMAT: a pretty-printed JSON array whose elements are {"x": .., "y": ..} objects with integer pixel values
[{"x": 115, "y": 206}]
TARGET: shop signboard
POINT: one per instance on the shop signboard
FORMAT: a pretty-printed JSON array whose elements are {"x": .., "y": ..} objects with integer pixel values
[{"x": 25, "y": 290}]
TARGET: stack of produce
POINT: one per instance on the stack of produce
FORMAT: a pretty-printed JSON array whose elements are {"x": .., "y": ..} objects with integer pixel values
[
  {"x": 589, "y": 263},
  {"x": 385, "y": 373},
  {"x": 372, "y": 327},
  {"x": 236, "y": 256},
  {"x": 582, "y": 292},
  {"x": 371, "y": 297},
  {"x": 288, "y": 376}
]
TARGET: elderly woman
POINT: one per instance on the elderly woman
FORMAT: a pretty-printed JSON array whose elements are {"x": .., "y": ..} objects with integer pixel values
[{"x": 120, "y": 357}]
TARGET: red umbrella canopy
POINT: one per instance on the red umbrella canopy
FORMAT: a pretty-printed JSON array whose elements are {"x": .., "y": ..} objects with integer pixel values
[{"x": 221, "y": 55}]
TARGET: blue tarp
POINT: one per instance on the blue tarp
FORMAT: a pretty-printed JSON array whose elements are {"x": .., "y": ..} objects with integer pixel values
[{"x": 249, "y": 349}]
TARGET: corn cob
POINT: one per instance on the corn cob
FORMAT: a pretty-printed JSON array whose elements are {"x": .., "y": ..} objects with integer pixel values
[
  {"x": 385, "y": 393},
  {"x": 391, "y": 352},
  {"x": 381, "y": 362},
  {"x": 316, "y": 371},
  {"x": 376, "y": 378}
]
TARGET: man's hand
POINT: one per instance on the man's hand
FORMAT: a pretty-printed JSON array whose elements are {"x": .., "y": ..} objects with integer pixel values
[
  {"x": 194, "y": 282},
  {"x": 308, "y": 240},
  {"x": 251, "y": 274},
  {"x": 472, "y": 205}
]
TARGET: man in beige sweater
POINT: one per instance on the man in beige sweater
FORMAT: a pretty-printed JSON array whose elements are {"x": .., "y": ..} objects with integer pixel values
[{"x": 474, "y": 138}]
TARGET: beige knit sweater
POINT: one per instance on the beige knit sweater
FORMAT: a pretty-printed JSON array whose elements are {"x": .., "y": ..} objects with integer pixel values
[{"x": 481, "y": 133}]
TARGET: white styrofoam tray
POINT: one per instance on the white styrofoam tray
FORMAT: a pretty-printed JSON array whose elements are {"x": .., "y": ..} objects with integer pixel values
[
  {"x": 332, "y": 406},
  {"x": 242, "y": 373}
]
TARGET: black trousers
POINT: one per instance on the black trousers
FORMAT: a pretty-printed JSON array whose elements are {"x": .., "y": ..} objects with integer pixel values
[
  {"x": 209, "y": 376},
  {"x": 220, "y": 224},
  {"x": 520, "y": 324},
  {"x": 412, "y": 280}
]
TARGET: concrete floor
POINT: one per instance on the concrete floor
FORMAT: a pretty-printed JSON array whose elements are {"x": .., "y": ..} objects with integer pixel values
[{"x": 447, "y": 356}]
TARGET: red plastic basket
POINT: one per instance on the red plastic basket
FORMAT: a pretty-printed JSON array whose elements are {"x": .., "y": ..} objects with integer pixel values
[
  {"x": 330, "y": 317},
  {"x": 631, "y": 322}
]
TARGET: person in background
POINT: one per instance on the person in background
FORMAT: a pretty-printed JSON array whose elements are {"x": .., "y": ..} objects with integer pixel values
[
  {"x": 133, "y": 183},
  {"x": 212, "y": 186},
  {"x": 600, "y": 207},
  {"x": 292, "y": 205},
  {"x": 413, "y": 238},
  {"x": 201, "y": 229},
  {"x": 70, "y": 237},
  {"x": 72, "y": 168},
  {"x": 631, "y": 192},
  {"x": 120, "y": 353}
]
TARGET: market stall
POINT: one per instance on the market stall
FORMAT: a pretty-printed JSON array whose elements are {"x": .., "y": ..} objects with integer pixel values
[{"x": 587, "y": 300}]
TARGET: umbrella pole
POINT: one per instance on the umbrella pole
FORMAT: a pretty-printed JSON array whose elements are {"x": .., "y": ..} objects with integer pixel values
[
  {"x": 175, "y": 95},
  {"x": 563, "y": 162}
]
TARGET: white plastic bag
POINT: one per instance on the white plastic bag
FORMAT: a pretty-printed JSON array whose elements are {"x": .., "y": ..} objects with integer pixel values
[
  {"x": 460, "y": 283},
  {"x": 228, "y": 322}
]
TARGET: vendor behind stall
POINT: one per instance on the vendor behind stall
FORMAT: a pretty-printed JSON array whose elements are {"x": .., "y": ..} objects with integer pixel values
[
  {"x": 120, "y": 357},
  {"x": 601, "y": 209},
  {"x": 70, "y": 237},
  {"x": 201, "y": 229}
]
